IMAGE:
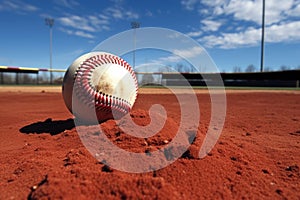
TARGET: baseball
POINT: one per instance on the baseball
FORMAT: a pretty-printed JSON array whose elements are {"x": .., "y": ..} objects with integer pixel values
[{"x": 99, "y": 85}]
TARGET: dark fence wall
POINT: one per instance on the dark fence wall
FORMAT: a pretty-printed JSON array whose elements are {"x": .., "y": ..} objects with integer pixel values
[
  {"x": 289, "y": 78},
  {"x": 27, "y": 75}
]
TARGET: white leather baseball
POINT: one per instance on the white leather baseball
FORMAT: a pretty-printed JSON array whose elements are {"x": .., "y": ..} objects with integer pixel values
[{"x": 99, "y": 84}]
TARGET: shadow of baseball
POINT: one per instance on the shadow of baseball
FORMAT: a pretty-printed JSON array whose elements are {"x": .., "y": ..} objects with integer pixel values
[{"x": 48, "y": 126}]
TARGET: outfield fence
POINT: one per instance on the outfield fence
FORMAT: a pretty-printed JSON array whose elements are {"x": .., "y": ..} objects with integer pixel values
[{"x": 10, "y": 75}]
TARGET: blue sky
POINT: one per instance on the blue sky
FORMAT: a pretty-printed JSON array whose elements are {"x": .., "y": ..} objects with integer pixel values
[{"x": 228, "y": 29}]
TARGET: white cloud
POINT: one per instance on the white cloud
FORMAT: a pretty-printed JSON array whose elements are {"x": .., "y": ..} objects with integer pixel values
[
  {"x": 241, "y": 20},
  {"x": 179, "y": 54},
  {"x": 295, "y": 12},
  {"x": 283, "y": 32},
  {"x": 119, "y": 13},
  {"x": 97, "y": 20},
  {"x": 274, "y": 33},
  {"x": 86, "y": 26},
  {"x": 232, "y": 40},
  {"x": 77, "y": 33},
  {"x": 104, "y": 17},
  {"x": 188, "y": 53},
  {"x": 174, "y": 35},
  {"x": 71, "y": 4},
  {"x": 276, "y": 12},
  {"x": 149, "y": 13},
  {"x": 189, "y": 4},
  {"x": 91, "y": 23},
  {"x": 131, "y": 15},
  {"x": 83, "y": 34},
  {"x": 243, "y": 10},
  {"x": 194, "y": 33},
  {"x": 77, "y": 22},
  {"x": 115, "y": 13},
  {"x": 210, "y": 25},
  {"x": 250, "y": 10},
  {"x": 17, "y": 6},
  {"x": 172, "y": 59}
]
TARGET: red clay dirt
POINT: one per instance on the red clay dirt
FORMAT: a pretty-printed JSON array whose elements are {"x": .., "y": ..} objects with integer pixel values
[{"x": 256, "y": 157}]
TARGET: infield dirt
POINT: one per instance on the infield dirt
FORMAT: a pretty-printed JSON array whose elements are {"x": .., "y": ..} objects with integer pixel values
[{"x": 256, "y": 157}]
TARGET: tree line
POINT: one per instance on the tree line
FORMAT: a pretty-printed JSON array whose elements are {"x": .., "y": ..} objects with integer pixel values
[{"x": 252, "y": 68}]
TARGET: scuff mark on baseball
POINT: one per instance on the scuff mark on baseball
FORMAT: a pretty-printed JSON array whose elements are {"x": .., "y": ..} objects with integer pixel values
[{"x": 99, "y": 86}]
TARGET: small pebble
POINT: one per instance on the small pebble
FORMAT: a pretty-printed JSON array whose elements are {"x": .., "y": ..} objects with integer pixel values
[{"x": 34, "y": 187}]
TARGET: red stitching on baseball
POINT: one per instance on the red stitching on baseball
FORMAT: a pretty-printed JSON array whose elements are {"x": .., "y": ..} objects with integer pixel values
[{"x": 93, "y": 98}]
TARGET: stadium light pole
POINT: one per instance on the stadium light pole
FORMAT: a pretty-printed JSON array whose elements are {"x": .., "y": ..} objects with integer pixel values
[
  {"x": 50, "y": 22},
  {"x": 262, "y": 36},
  {"x": 134, "y": 25}
]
